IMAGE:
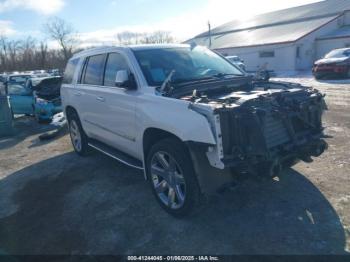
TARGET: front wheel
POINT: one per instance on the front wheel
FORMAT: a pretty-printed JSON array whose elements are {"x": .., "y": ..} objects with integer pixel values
[{"x": 172, "y": 177}]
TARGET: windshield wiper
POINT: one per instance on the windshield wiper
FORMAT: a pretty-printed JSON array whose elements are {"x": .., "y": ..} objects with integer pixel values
[
  {"x": 191, "y": 80},
  {"x": 166, "y": 83},
  {"x": 181, "y": 82},
  {"x": 220, "y": 75}
]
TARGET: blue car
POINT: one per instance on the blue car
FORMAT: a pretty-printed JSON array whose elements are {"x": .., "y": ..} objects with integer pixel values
[
  {"x": 47, "y": 98},
  {"x": 21, "y": 96},
  {"x": 41, "y": 100},
  {"x": 44, "y": 110}
]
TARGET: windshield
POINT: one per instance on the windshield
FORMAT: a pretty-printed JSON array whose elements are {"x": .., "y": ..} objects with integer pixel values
[
  {"x": 338, "y": 53},
  {"x": 14, "y": 88},
  {"x": 189, "y": 64},
  {"x": 19, "y": 78}
]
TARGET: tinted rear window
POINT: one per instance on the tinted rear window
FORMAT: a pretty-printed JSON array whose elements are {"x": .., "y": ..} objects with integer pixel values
[
  {"x": 94, "y": 70},
  {"x": 69, "y": 72}
]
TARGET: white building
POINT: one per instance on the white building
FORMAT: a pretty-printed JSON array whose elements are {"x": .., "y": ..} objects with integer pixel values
[{"x": 288, "y": 40}]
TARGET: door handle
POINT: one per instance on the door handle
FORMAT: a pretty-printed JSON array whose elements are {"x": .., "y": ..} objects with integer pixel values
[
  {"x": 78, "y": 93},
  {"x": 100, "y": 98}
]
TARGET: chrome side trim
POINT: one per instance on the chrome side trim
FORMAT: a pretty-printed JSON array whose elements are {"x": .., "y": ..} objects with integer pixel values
[{"x": 116, "y": 158}]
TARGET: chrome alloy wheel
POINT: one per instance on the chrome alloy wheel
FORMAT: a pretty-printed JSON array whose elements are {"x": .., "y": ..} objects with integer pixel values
[
  {"x": 168, "y": 180},
  {"x": 75, "y": 135}
]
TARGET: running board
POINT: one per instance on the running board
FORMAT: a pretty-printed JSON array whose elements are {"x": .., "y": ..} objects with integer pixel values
[{"x": 116, "y": 154}]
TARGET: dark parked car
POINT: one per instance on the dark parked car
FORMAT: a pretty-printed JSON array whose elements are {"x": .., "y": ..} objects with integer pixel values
[{"x": 335, "y": 63}]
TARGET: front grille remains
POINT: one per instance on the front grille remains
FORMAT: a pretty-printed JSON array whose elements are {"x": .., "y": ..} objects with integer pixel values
[
  {"x": 246, "y": 131},
  {"x": 275, "y": 132}
]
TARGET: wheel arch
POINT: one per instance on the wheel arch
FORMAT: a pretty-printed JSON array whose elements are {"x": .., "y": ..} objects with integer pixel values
[
  {"x": 70, "y": 110},
  {"x": 151, "y": 136}
]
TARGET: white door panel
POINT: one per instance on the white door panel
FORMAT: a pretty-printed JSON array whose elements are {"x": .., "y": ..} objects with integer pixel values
[
  {"x": 107, "y": 112},
  {"x": 89, "y": 109},
  {"x": 117, "y": 118}
]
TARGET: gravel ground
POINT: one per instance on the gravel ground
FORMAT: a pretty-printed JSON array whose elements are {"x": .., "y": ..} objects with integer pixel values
[{"x": 55, "y": 202}]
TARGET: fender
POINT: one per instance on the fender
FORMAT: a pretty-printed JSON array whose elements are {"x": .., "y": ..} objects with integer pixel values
[{"x": 176, "y": 117}]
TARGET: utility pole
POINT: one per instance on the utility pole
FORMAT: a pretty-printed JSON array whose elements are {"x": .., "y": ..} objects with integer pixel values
[{"x": 209, "y": 33}]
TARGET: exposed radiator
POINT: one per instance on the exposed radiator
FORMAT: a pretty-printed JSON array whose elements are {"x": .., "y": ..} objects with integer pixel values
[{"x": 275, "y": 132}]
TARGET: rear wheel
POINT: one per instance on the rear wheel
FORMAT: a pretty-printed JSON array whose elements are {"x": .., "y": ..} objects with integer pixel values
[
  {"x": 77, "y": 135},
  {"x": 172, "y": 177}
]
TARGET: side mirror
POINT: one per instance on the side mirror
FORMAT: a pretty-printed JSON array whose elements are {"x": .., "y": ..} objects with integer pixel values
[
  {"x": 122, "y": 78},
  {"x": 125, "y": 79}
]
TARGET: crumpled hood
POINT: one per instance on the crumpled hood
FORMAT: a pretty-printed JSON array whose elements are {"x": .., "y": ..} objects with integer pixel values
[
  {"x": 241, "y": 98},
  {"x": 37, "y": 80},
  {"x": 331, "y": 60},
  {"x": 48, "y": 88}
]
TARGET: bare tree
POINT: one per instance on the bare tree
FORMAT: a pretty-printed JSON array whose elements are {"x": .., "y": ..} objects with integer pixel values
[
  {"x": 27, "y": 48},
  {"x": 3, "y": 51},
  {"x": 13, "y": 48},
  {"x": 62, "y": 32},
  {"x": 27, "y": 55},
  {"x": 43, "y": 52},
  {"x": 156, "y": 37},
  {"x": 129, "y": 38}
]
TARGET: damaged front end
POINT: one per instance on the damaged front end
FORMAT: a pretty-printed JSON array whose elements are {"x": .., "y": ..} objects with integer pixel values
[
  {"x": 47, "y": 98},
  {"x": 266, "y": 128}
]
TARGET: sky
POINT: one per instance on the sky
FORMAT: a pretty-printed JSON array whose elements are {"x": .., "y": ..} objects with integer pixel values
[{"x": 98, "y": 21}]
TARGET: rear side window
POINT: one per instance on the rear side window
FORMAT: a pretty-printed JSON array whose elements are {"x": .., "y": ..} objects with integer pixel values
[
  {"x": 115, "y": 62},
  {"x": 69, "y": 72},
  {"x": 94, "y": 70}
]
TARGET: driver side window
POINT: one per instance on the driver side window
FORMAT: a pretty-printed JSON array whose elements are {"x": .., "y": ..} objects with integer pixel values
[{"x": 115, "y": 62}]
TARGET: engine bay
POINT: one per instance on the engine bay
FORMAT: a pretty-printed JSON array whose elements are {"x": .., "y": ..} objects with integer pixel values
[{"x": 267, "y": 124}]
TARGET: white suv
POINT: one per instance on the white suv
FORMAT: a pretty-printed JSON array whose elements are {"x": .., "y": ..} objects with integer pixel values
[{"x": 187, "y": 117}]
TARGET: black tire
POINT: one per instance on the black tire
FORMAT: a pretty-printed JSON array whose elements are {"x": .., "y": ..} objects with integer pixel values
[
  {"x": 180, "y": 154},
  {"x": 84, "y": 149}
]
